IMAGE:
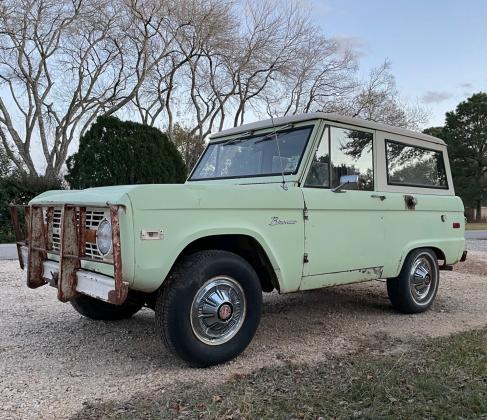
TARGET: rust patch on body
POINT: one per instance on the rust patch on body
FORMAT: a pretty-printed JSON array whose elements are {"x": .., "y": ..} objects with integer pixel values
[
  {"x": 69, "y": 255},
  {"x": 27, "y": 223},
  {"x": 118, "y": 295},
  {"x": 90, "y": 236},
  {"x": 372, "y": 271},
  {"x": 36, "y": 234},
  {"x": 37, "y": 248},
  {"x": 49, "y": 219},
  {"x": 82, "y": 232},
  {"x": 410, "y": 202}
]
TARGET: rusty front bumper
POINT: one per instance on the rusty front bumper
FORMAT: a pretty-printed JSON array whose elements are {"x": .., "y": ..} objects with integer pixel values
[{"x": 34, "y": 242}]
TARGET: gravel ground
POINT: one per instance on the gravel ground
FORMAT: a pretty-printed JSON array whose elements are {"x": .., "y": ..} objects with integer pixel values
[{"x": 53, "y": 361}]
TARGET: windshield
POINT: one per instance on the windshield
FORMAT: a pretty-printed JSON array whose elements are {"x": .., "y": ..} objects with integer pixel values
[{"x": 251, "y": 156}]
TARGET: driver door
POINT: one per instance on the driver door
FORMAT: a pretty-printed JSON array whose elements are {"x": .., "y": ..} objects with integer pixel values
[{"x": 344, "y": 232}]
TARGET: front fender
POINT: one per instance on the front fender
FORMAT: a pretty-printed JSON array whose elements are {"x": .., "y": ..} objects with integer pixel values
[{"x": 154, "y": 259}]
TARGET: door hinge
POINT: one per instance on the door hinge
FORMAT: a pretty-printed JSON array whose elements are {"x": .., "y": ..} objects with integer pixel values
[
  {"x": 305, "y": 258},
  {"x": 305, "y": 213}
]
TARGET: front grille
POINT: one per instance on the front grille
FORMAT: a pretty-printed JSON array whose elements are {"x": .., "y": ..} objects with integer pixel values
[
  {"x": 93, "y": 220},
  {"x": 56, "y": 230}
]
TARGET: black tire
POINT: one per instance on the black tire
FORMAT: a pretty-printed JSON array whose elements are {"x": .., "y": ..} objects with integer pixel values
[
  {"x": 99, "y": 310},
  {"x": 405, "y": 296},
  {"x": 174, "y": 315}
]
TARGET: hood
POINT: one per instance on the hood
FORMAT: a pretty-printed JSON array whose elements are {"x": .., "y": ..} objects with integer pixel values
[
  {"x": 90, "y": 196},
  {"x": 214, "y": 196},
  {"x": 179, "y": 196}
]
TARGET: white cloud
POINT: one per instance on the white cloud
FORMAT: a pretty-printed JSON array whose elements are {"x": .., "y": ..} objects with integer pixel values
[
  {"x": 355, "y": 43},
  {"x": 435, "y": 97}
]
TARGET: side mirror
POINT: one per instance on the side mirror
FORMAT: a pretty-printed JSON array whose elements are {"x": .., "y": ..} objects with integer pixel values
[{"x": 345, "y": 180}]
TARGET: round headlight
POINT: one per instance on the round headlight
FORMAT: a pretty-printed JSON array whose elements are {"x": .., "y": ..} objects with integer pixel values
[{"x": 104, "y": 237}]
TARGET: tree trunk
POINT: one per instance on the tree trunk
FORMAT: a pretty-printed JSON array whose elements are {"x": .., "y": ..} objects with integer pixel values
[{"x": 478, "y": 215}]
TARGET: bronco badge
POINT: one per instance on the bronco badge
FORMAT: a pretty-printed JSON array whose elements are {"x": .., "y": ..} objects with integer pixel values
[{"x": 275, "y": 221}]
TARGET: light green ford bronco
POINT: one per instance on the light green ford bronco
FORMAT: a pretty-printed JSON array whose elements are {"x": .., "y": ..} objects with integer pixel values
[{"x": 289, "y": 204}]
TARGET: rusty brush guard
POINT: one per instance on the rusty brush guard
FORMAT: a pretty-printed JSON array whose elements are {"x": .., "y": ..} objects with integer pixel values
[{"x": 36, "y": 234}]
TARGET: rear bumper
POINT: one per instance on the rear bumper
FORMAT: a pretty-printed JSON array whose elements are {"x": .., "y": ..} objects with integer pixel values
[{"x": 88, "y": 283}]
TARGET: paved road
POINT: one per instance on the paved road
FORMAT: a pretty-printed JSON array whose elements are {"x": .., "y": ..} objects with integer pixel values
[
  {"x": 8, "y": 252},
  {"x": 476, "y": 234}
]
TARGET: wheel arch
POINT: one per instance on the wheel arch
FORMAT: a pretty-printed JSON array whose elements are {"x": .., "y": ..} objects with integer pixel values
[
  {"x": 242, "y": 244},
  {"x": 440, "y": 254}
]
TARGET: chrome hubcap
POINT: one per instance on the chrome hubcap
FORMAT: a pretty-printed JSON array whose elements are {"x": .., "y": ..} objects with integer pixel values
[
  {"x": 225, "y": 312},
  {"x": 421, "y": 279},
  {"x": 218, "y": 310}
]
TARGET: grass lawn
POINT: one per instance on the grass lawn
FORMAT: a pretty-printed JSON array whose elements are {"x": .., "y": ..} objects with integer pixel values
[
  {"x": 437, "y": 378},
  {"x": 476, "y": 226}
]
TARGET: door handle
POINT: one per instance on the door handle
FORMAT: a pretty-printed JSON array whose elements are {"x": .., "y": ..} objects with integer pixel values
[{"x": 380, "y": 197}]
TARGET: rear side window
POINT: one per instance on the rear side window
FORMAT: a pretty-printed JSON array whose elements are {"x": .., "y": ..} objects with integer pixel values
[{"x": 415, "y": 166}]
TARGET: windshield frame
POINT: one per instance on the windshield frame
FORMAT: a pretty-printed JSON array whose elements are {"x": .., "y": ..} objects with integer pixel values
[{"x": 266, "y": 131}]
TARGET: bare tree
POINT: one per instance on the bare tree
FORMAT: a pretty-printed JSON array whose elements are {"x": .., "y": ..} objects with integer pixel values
[
  {"x": 325, "y": 80},
  {"x": 276, "y": 34},
  {"x": 322, "y": 74},
  {"x": 377, "y": 99},
  {"x": 231, "y": 56},
  {"x": 202, "y": 64},
  {"x": 193, "y": 80},
  {"x": 62, "y": 63}
]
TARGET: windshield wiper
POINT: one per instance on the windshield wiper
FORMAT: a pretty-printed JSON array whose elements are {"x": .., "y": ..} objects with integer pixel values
[
  {"x": 243, "y": 137},
  {"x": 272, "y": 135}
]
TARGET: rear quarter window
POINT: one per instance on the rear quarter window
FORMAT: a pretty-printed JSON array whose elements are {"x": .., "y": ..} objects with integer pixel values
[{"x": 415, "y": 166}]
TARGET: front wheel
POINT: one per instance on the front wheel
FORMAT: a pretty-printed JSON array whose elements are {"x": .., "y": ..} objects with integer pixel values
[
  {"x": 415, "y": 288},
  {"x": 209, "y": 309}
]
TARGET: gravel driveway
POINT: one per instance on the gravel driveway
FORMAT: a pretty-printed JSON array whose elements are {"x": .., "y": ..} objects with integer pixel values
[{"x": 52, "y": 360}]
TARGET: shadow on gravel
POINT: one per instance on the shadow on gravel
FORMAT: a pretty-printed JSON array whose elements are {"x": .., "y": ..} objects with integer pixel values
[
  {"x": 132, "y": 347},
  {"x": 329, "y": 300}
]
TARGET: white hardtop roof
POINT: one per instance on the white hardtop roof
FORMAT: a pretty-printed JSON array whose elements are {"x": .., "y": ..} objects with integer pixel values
[{"x": 332, "y": 117}]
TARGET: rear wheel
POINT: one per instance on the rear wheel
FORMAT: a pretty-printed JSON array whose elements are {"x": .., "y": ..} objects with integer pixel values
[
  {"x": 100, "y": 310},
  {"x": 414, "y": 290},
  {"x": 209, "y": 309}
]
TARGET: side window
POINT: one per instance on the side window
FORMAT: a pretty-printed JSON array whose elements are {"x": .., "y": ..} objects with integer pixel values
[
  {"x": 351, "y": 154},
  {"x": 319, "y": 172},
  {"x": 415, "y": 166}
]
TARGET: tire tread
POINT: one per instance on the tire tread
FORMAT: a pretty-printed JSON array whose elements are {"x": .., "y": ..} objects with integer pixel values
[
  {"x": 398, "y": 287},
  {"x": 168, "y": 294}
]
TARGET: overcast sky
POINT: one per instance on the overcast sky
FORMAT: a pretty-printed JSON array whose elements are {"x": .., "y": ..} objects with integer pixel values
[{"x": 438, "y": 48}]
